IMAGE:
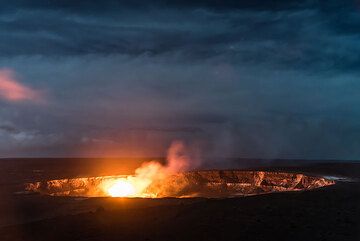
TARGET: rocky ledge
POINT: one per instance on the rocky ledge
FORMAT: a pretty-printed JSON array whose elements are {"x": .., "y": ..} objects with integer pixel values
[{"x": 215, "y": 184}]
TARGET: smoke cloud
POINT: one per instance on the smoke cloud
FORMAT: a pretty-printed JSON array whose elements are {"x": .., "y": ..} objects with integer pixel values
[
  {"x": 179, "y": 159},
  {"x": 182, "y": 158}
]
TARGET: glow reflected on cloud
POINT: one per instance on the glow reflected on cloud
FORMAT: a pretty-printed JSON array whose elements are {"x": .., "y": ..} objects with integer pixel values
[{"x": 12, "y": 90}]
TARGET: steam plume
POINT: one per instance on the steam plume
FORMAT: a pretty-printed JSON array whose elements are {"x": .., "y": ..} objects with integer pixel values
[{"x": 179, "y": 158}]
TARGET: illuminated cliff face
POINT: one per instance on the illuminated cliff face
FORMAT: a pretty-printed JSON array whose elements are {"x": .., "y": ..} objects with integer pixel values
[{"x": 185, "y": 184}]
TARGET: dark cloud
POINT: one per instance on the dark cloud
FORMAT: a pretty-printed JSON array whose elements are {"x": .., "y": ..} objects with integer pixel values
[
  {"x": 173, "y": 129},
  {"x": 118, "y": 5},
  {"x": 285, "y": 34},
  {"x": 8, "y": 128},
  {"x": 242, "y": 78}
]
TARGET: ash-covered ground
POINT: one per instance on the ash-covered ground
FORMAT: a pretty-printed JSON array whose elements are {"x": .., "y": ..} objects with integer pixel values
[{"x": 329, "y": 213}]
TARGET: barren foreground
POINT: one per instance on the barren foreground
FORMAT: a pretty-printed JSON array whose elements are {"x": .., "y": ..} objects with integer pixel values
[{"x": 328, "y": 213}]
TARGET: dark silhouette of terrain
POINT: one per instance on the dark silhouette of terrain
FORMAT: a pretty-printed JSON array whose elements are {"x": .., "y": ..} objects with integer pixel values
[{"x": 329, "y": 213}]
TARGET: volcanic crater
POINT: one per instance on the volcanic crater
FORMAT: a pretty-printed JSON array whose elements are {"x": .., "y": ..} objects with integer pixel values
[{"x": 209, "y": 184}]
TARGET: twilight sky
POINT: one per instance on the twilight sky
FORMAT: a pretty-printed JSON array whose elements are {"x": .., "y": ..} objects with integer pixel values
[{"x": 268, "y": 79}]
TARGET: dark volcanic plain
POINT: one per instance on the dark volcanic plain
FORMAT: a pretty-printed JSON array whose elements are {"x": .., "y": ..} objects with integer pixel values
[{"x": 329, "y": 213}]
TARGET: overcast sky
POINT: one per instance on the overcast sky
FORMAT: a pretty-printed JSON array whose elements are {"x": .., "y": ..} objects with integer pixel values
[{"x": 267, "y": 79}]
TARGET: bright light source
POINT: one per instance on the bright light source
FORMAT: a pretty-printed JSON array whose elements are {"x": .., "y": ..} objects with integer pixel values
[{"x": 121, "y": 188}]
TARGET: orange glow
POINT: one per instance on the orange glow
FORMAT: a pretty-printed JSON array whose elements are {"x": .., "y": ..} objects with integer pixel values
[
  {"x": 147, "y": 181},
  {"x": 148, "y": 173},
  {"x": 136, "y": 185},
  {"x": 121, "y": 188}
]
